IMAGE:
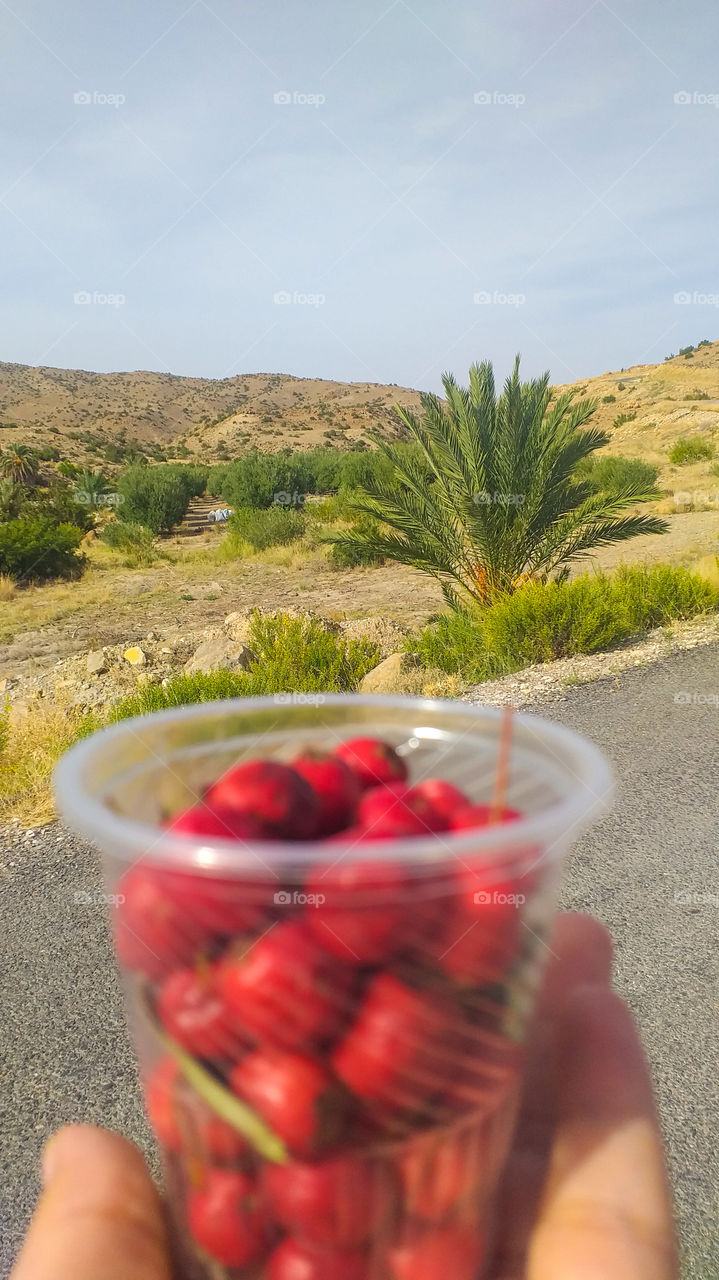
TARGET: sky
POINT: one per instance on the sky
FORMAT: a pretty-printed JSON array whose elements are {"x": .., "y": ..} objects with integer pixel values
[{"x": 370, "y": 192}]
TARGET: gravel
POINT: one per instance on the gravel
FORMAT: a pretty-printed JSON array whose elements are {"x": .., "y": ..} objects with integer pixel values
[{"x": 648, "y": 870}]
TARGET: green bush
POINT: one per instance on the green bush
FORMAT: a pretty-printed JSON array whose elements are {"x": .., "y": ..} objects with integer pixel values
[
  {"x": 274, "y": 526},
  {"x": 39, "y": 549},
  {"x": 544, "y": 621},
  {"x": 294, "y": 655},
  {"x": 621, "y": 418},
  {"x": 691, "y": 449},
  {"x": 609, "y": 399},
  {"x": 616, "y": 474},
  {"x": 159, "y": 496},
  {"x": 136, "y": 540},
  {"x": 256, "y": 479},
  {"x": 344, "y": 555}
]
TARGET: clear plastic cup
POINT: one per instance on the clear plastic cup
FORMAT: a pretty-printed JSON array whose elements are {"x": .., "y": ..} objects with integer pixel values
[{"x": 331, "y": 1032}]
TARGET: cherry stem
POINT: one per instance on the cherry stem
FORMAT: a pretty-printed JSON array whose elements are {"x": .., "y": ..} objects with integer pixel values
[{"x": 501, "y": 778}]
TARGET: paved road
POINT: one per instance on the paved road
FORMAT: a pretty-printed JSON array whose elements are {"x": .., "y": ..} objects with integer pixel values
[{"x": 649, "y": 870}]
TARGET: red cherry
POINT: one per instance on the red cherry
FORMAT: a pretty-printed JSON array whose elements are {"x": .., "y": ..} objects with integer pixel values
[
  {"x": 397, "y": 1052},
  {"x": 217, "y": 822},
  {"x": 439, "y": 1172},
  {"x": 390, "y": 801},
  {"x": 481, "y": 935},
  {"x": 295, "y": 1097},
  {"x": 452, "y": 1251},
  {"x": 272, "y": 794},
  {"x": 480, "y": 815},
  {"x": 444, "y": 798},
  {"x": 161, "y": 1103},
  {"x": 360, "y": 917},
  {"x": 194, "y": 1012},
  {"x": 334, "y": 784},
  {"x": 284, "y": 988},
  {"x": 335, "y": 1203},
  {"x": 296, "y": 1260},
  {"x": 224, "y": 1218},
  {"x": 372, "y": 761},
  {"x": 154, "y": 931}
]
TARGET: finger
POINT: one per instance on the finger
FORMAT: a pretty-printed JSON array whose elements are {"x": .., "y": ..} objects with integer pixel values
[
  {"x": 580, "y": 953},
  {"x": 99, "y": 1213},
  {"x": 606, "y": 1212}
]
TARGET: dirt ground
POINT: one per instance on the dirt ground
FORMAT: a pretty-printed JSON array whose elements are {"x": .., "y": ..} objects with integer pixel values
[{"x": 111, "y": 605}]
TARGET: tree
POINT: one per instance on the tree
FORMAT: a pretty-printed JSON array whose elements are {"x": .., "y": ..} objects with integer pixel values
[
  {"x": 495, "y": 499},
  {"x": 19, "y": 463},
  {"x": 93, "y": 483}
]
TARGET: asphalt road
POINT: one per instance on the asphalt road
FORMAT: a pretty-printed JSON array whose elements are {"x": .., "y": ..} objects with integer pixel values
[{"x": 649, "y": 870}]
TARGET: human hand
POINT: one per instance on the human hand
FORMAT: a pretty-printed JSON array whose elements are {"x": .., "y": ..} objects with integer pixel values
[{"x": 584, "y": 1197}]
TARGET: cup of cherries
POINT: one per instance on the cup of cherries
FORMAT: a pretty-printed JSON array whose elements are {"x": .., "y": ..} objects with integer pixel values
[{"x": 331, "y": 948}]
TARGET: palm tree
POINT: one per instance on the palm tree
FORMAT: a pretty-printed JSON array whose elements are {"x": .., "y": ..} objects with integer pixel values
[
  {"x": 94, "y": 483},
  {"x": 495, "y": 499},
  {"x": 19, "y": 463}
]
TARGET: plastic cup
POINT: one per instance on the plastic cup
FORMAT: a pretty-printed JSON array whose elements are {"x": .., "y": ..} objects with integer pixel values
[{"x": 330, "y": 1033}]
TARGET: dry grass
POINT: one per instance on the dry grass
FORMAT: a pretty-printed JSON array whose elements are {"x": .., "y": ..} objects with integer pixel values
[
  {"x": 33, "y": 739},
  {"x": 8, "y": 588}
]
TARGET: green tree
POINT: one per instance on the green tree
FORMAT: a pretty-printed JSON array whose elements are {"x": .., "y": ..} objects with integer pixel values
[
  {"x": 496, "y": 499},
  {"x": 19, "y": 463}
]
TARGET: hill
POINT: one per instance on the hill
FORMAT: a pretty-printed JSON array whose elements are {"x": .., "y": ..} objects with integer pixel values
[{"x": 99, "y": 417}]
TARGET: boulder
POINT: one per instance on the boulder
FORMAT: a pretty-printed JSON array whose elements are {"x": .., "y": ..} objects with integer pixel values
[
  {"x": 220, "y": 651},
  {"x": 135, "y": 656},
  {"x": 389, "y": 675},
  {"x": 96, "y": 663}
]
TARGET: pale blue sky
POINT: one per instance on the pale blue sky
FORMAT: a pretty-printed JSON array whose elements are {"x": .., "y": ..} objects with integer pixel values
[{"x": 391, "y": 203}]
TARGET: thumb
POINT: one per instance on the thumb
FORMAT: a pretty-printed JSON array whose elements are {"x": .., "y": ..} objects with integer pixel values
[{"x": 99, "y": 1213}]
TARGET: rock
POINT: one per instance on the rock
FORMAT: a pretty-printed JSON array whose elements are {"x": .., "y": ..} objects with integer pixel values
[
  {"x": 7, "y": 683},
  {"x": 388, "y": 675},
  {"x": 210, "y": 590},
  {"x": 220, "y": 651},
  {"x": 135, "y": 656},
  {"x": 384, "y": 632},
  {"x": 96, "y": 663}
]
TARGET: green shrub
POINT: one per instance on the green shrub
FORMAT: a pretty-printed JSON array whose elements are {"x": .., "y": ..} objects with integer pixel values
[
  {"x": 544, "y": 621},
  {"x": 697, "y": 394},
  {"x": 615, "y": 474},
  {"x": 609, "y": 399},
  {"x": 621, "y": 418},
  {"x": 294, "y": 655},
  {"x": 256, "y": 479},
  {"x": 39, "y": 549},
  {"x": 621, "y": 386},
  {"x": 344, "y": 555},
  {"x": 159, "y": 496},
  {"x": 136, "y": 540},
  {"x": 274, "y": 526},
  {"x": 691, "y": 449}
]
